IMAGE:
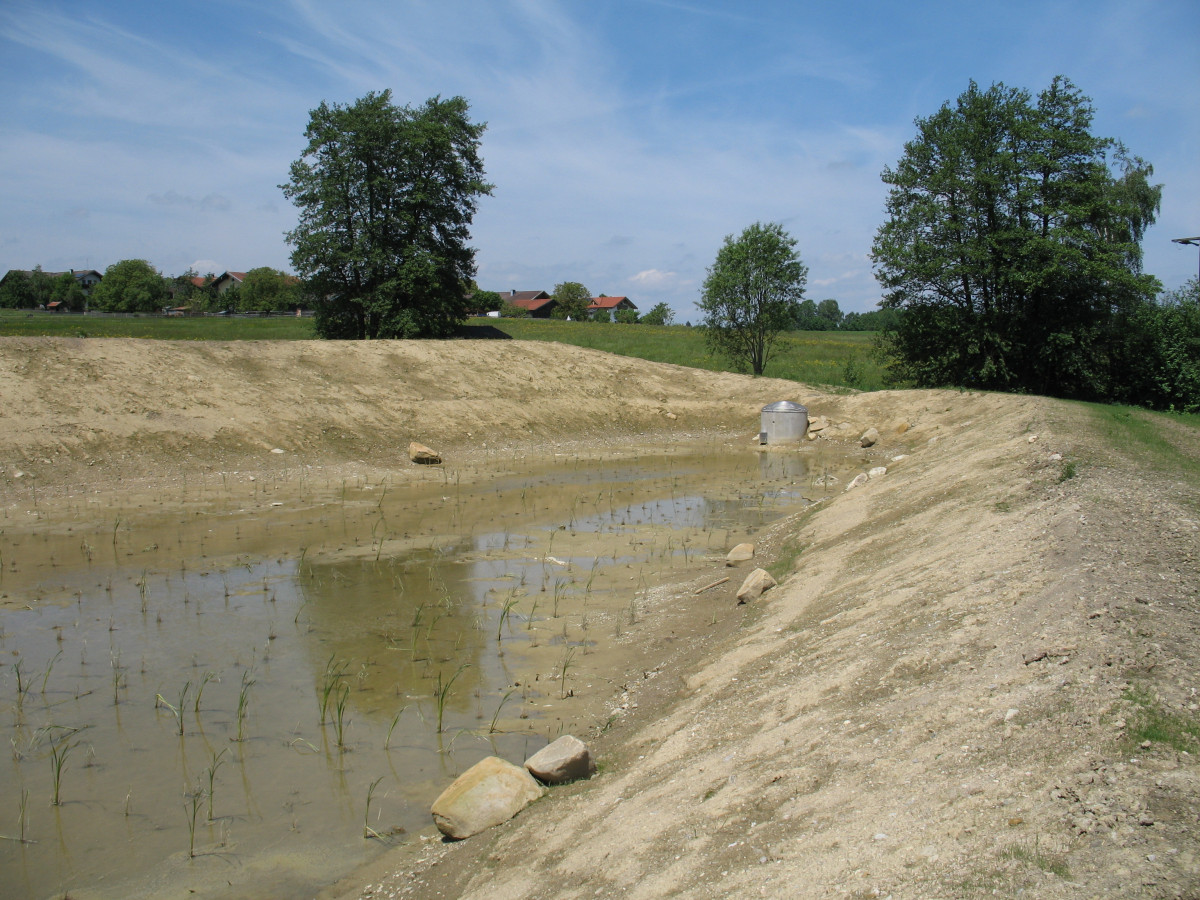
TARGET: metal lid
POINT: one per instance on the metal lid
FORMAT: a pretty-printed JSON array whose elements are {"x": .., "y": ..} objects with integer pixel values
[{"x": 785, "y": 406}]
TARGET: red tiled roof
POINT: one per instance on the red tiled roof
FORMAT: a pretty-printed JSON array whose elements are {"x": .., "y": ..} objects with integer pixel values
[
  {"x": 607, "y": 302},
  {"x": 530, "y": 303}
]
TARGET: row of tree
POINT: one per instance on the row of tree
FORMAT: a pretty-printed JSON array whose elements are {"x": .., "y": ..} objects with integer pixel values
[
  {"x": 135, "y": 286},
  {"x": 1011, "y": 260}
]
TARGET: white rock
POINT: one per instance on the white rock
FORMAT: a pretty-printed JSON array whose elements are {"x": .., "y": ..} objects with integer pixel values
[
  {"x": 877, "y": 472},
  {"x": 861, "y": 478}
]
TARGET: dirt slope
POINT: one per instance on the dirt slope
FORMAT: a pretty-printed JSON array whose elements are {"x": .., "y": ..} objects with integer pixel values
[{"x": 939, "y": 701}]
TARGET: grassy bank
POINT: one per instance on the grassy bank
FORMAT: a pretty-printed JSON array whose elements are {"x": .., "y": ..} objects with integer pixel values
[
  {"x": 838, "y": 359},
  {"x": 23, "y": 323}
]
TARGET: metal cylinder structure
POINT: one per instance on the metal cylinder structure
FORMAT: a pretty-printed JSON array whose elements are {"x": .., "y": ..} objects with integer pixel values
[{"x": 784, "y": 422}]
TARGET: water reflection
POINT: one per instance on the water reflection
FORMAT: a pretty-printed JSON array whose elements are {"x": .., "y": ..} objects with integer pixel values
[{"x": 420, "y": 628}]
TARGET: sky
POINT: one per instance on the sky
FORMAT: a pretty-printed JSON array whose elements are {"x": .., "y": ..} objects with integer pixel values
[{"x": 625, "y": 139}]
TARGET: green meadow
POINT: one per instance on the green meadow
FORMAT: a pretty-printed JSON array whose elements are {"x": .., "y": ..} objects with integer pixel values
[{"x": 835, "y": 358}]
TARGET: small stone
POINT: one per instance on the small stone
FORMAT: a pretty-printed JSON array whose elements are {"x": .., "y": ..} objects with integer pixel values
[
  {"x": 869, "y": 438},
  {"x": 423, "y": 455},
  {"x": 1033, "y": 439},
  {"x": 277, "y": 450},
  {"x": 1015, "y": 821},
  {"x": 877, "y": 472},
  {"x": 756, "y": 584},
  {"x": 859, "y": 479},
  {"x": 1145, "y": 745},
  {"x": 1011, "y": 714}
]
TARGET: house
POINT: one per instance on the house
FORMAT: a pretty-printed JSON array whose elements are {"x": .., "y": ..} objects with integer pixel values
[
  {"x": 87, "y": 278},
  {"x": 538, "y": 304},
  {"x": 609, "y": 305},
  {"x": 226, "y": 280}
]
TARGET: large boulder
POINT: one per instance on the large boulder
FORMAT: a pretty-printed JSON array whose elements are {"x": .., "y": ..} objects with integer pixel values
[
  {"x": 756, "y": 584},
  {"x": 489, "y": 793},
  {"x": 566, "y": 759},
  {"x": 870, "y": 437}
]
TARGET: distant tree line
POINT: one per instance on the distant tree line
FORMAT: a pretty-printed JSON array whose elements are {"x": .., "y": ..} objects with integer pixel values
[
  {"x": 135, "y": 286},
  {"x": 826, "y": 315}
]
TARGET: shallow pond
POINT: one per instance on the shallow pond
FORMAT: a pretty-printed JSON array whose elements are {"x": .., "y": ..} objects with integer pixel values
[{"x": 254, "y": 688}]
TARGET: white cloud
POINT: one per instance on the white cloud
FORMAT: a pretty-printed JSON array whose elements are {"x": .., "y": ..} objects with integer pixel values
[{"x": 654, "y": 278}]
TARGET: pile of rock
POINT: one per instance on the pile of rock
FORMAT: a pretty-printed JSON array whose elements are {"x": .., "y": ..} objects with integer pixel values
[{"x": 494, "y": 790}]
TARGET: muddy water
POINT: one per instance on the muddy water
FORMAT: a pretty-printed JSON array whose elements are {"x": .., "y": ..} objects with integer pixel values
[{"x": 252, "y": 686}]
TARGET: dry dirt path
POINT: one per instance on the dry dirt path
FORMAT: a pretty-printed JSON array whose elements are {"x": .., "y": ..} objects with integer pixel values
[{"x": 941, "y": 700}]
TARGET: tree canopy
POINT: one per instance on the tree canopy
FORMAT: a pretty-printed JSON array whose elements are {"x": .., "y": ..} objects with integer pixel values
[
  {"x": 131, "y": 285},
  {"x": 1012, "y": 245},
  {"x": 269, "y": 290},
  {"x": 571, "y": 301},
  {"x": 751, "y": 293},
  {"x": 386, "y": 195},
  {"x": 659, "y": 314}
]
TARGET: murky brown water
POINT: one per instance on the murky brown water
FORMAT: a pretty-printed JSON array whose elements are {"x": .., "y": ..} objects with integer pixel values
[{"x": 232, "y": 689}]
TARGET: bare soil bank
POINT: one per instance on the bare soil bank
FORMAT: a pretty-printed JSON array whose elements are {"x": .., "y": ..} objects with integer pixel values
[{"x": 945, "y": 698}]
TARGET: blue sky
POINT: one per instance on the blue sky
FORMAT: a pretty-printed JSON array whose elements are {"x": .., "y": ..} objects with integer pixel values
[{"x": 625, "y": 139}]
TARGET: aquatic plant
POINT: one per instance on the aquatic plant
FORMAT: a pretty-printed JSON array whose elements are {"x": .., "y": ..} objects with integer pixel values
[
  {"x": 59, "y": 751},
  {"x": 211, "y": 772},
  {"x": 564, "y": 667},
  {"x": 368, "y": 831},
  {"x": 243, "y": 701},
  {"x": 333, "y": 676},
  {"x": 441, "y": 692}
]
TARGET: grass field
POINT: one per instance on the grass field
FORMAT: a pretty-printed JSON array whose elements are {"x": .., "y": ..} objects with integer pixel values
[
  {"x": 837, "y": 359},
  {"x": 22, "y": 323}
]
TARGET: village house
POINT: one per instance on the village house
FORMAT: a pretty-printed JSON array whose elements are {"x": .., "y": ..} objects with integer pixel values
[
  {"x": 538, "y": 304},
  {"x": 610, "y": 304}
]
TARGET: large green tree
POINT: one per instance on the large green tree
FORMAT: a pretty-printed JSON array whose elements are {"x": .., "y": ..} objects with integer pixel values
[
  {"x": 68, "y": 292},
  {"x": 386, "y": 194},
  {"x": 15, "y": 291},
  {"x": 131, "y": 285},
  {"x": 751, "y": 294},
  {"x": 1012, "y": 245},
  {"x": 571, "y": 300},
  {"x": 267, "y": 289}
]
